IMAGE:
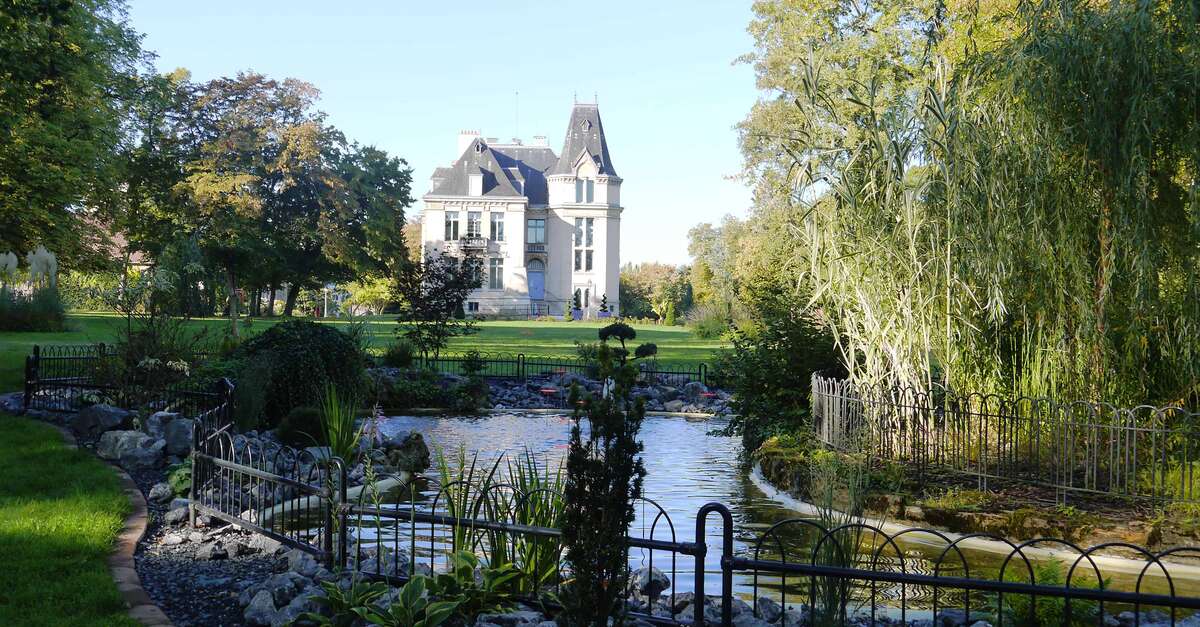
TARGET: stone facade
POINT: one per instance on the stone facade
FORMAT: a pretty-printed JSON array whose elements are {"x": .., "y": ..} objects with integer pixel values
[{"x": 547, "y": 226}]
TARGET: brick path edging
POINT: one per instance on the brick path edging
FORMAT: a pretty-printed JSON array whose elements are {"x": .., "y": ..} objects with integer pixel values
[{"x": 120, "y": 562}]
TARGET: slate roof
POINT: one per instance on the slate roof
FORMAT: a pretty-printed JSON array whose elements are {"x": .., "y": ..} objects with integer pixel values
[
  {"x": 585, "y": 134},
  {"x": 507, "y": 168}
]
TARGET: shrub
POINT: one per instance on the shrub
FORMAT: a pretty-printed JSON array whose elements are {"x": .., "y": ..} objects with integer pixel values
[
  {"x": 708, "y": 321},
  {"x": 399, "y": 354},
  {"x": 300, "y": 427},
  {"x": 422, "y": 390},
  {"x": 179, "y": 477},
  {"x": 250, "y": 393},
  {"x": 604, "y": 474},
  {"x": 1027, "y": 610},
  {"x": 42, "y": 310},
  {"x": 304, "y": 358},
  {"x": 669, "y": 318},
  {"x": 769, "y": 371}
]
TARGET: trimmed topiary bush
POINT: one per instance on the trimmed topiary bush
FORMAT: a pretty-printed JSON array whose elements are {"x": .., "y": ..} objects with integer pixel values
[
  {"x": 300, "y": 427},
  {"x": 304, "y": 358}
]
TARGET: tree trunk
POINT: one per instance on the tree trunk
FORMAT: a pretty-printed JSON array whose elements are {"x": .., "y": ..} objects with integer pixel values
[
  {"x": 231, "y": 283},
  {"x": 290, "y": 303},
  {"x": 271, "y": 299}
]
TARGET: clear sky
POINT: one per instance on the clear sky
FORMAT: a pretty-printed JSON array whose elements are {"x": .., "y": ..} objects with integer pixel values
[{"x": 407, "y": 76}]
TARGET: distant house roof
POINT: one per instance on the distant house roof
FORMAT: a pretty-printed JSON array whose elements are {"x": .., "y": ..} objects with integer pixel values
[
  {"x": 515, "y": 169},
  {"x": 585, "y": 136}
]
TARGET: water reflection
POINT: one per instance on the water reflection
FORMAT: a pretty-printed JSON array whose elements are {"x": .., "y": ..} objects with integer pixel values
[{"x": 687, "y": 467}]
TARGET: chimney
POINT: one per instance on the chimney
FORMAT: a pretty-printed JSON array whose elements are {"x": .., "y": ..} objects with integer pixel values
[
  {"x": 465, "y": 138},
  {"x": 492, "y": 140},
  {"x": 516, "y": 141},
  {"x": 540, "y": 140}
]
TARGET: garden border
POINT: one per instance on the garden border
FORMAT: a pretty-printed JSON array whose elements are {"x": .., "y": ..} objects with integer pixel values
[{"x": 121, "y": 566}]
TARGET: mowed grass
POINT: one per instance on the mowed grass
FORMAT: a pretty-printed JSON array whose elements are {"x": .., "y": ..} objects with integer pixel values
[
  {"x": 676, "y": 344},
  {"x": 60, "y": 511}
]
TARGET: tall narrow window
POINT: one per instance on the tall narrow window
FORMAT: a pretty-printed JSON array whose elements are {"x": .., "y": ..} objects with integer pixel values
[
  {"x": 588, "y": 238},
  {"x": 496, "y": 273},
  {"x": 579, "y": 231},
  {"x": 587, "y": 265},
  {"x": 591, "y": 190},
  {"x": 584, "y": 238},
  {"x": 498, "y": 227},
  {"x": 451, "y": 225},
  {"x": 578, "y": 260},
  {"x": 578, "y": 190},
  {"x": 474, "y": 224},
  {"x": 536, "y": 231}
]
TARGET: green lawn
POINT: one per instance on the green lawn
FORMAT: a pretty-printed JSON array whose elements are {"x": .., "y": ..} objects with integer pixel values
[
  {"x": 676, "y": 345},
  {"x": 60, "y": 511}
]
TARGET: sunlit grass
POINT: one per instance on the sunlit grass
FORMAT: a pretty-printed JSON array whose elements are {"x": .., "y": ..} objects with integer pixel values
[
  {"x": 60, "y": 511},
  {"x": 676, "y": 345}
]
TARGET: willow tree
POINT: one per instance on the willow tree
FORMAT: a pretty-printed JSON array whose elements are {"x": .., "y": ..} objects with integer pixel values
[{"x": 1013, "y": 211}]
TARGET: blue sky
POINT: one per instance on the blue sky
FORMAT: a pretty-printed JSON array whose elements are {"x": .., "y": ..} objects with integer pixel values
[{"x": 407, "y": 76}]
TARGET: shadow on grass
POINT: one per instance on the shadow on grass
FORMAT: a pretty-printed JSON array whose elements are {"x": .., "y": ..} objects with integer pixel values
[{"x": 60, "y": 511}]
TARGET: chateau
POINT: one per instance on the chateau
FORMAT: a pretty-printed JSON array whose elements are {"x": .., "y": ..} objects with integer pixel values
[{"x": 547, "y": 226}]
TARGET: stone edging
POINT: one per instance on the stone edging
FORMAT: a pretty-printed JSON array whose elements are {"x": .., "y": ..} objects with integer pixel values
[{"x": 120, "y": 562}]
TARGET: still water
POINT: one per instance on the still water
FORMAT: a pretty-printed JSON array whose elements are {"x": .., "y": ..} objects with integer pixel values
[{"x": 688, "y": 466}]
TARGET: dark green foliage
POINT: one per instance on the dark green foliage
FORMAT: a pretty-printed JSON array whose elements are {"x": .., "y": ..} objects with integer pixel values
[
  {"x": 40, "y": 311},
  {"x": 419, "y": 389},
  {"x": 1029, "y": 611},
  {"x": 669, "y": 318},
  {"x": 343, "y": 606},
  {"x": 769, "y": 371},
  {"x": 617, "y": 331},
  {"x": 304, "y": 358},
  {"x": 399, "y": 354},
  {"x": 431, "y": 296},
  {"x": 471, "y": 395},
  {"x": 604, "y": 478},
  {"x": 179, "y": 477},
  {"x": 300, "y": 427},
  {"x": 414, "y": 607},
  {"x": 253, "y": 380},
  {"x": 649, "y": 349}
]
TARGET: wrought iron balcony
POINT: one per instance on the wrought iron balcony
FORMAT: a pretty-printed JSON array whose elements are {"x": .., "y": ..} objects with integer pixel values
[
  {"x": 473, "y": 243},
  {"x": 535, "y": 248}
]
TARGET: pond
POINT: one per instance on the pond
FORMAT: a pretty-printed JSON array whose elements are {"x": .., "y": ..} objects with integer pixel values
[{"x": 687, "y": 466}]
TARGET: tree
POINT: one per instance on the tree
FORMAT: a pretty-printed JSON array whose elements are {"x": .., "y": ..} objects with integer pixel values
[
  {"x": 68, "y": 71},
  {"x": 431, "y": 297},
  {"x": 604, "y": 479},
  {"x": 647, "y": 289}
]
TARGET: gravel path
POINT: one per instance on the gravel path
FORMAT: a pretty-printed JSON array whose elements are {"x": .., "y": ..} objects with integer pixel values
[{"x": 178, "y": 570}]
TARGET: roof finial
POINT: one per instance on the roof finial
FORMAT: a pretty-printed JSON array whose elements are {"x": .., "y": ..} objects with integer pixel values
[
  {"x": 574, "y": 97},
  {"x": 596, "y": 98}
]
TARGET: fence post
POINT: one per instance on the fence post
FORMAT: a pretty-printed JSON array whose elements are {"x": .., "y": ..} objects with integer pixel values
[
  {"x": 31, "y": 375},
  {"x": 521, "y": 366},
  {"x": 726, "y": 563},
  {"x": 703, "y": 373}
]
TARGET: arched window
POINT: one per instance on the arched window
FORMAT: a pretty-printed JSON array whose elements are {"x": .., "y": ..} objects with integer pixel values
[{"x": 536, "y": 265}]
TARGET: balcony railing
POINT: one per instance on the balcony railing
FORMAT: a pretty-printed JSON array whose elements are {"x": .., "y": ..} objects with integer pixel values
[
  {"x": 473, "y": 243},
  {"x": 535, "y": 248}
]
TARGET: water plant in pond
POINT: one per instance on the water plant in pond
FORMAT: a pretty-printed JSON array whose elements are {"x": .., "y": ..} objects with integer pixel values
[
  {"x": 338, "y": 428},
  {"x": 839, "y": 486}
]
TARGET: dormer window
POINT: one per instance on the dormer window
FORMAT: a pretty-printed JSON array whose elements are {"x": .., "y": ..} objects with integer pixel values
[
  {"x": 478, "y": 148},
  {"x": 585, "y": 190},
  {"x": 586, "y": 125},
  {"x": 475, "y": 185}
]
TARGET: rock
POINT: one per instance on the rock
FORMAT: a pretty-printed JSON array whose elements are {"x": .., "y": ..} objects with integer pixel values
[
  {"x": 155, "y": 426},
  {"x": 195, "y": 537},
  {"x": 981, "y": 623},
  {"x": 391, "y": 562},
  {"x": 131, "y": 449},
  {"x": 161, "y": 493},
  {"x": 263, "y": 544},
  {"x": 952, "y": 617},
  {"x": 794, "y": 618},
  {"x": 650, "y": 582},
  {"x": 409, "y": 454},
  {"x": 178, "y": 435},
  {"x": 767, "y": 609},
  {"x": 694, "y": 390},
  {"x": 176, "y": 516},
  {"x": 511, "y": 619},
  {"x": 301, "y": 604},
  {"x": 95, "y": 420},
  {"x": 261, "y": 609},
  {"x": 172, "y": 539},
  {"x": 673, "y": 406},
  {"x": 284, "y": 587},
  {"x": 211, "y": 551},
  {"x": 302, "y": 562},
  {"x": 749, "y": 620}
]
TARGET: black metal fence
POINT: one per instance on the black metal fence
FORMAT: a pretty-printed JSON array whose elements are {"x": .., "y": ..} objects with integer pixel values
[
  {"x": 1140, "y": 452},
  {"x": 65, "y": 378},
  {"x": 856, "y": 573},
  {"x": 521, "y": 366}
]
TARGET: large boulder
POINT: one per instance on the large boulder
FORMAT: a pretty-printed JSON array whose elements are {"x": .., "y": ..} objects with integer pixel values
[
  {"x": 261, "y": 609},
  {"x": 178, "y": 435},
  {"x": 408, "y": 453},
  {"x": 131, "y": 449},
  {"x": 156, "y": 424},
  {"x": 650, "y": 582},
  {"x": 94, "y": 420}
]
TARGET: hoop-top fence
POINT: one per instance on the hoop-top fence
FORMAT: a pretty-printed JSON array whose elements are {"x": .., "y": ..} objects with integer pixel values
[{"x": 1140, "y": 452}]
